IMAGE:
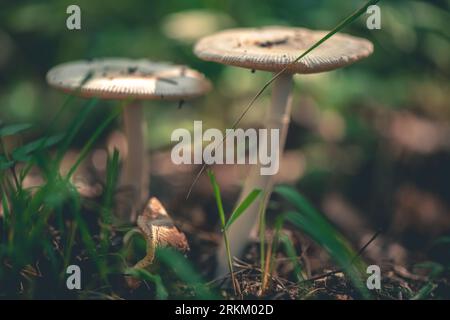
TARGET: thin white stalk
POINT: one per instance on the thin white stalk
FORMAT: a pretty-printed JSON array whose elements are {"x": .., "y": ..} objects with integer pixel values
[
  {"x": 135, "y": 174},
  {"x": 277, "y": 117}
]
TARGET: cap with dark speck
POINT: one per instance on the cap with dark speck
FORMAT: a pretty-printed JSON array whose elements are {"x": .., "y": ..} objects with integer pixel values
[
  {"x": 274, "y": 48},
  {"x": 118, "y": 78}
]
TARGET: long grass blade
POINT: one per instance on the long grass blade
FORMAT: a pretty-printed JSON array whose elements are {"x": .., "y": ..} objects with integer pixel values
[
  {"x": 75, "y": 127},
  {"x": 315, "y": 225},
  {"x": 242, "y": 207},
  {"x": 218, "y": 197},
  {"x": 87, "y": 147},
  {"x": 185, "y": 272},
  {"x": 292, "y": 255},
  {"x": 161, "y": 291},
  {"x": 14, "y": 129}
]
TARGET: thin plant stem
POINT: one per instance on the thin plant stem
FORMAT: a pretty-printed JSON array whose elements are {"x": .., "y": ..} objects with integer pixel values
[
  {"x": 92, "y": 140},
  {"x": 262, "y": 230},
  {"x": 13, "y": 171},
  {"x": 230, "y": 264}
]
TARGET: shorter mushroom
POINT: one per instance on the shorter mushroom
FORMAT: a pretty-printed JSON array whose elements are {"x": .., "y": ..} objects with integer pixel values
[
  {"x": 133, "y": 80},
  {"x": 159, "y": 231}
]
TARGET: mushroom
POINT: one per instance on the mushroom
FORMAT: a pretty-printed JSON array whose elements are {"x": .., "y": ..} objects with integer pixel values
[
  {"x": 275, "y": 49},
  {"x": 159, "y": 231},
  {"x": 133, "y": 80}
]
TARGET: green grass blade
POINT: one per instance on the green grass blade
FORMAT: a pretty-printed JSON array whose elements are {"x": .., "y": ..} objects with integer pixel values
[
  {"x": 47, "y": 134},
  {"x": 6, "y": 214},
  {"x": 161, "y": 291},
  {"x": 24, "y": 152},
  {"x": 75, "y": 128},
  {"x": 242, "y": 207},
  {"x": 355, "y": 15},
  {"x": 86, "y": 235},
  {"x": 303, "y": 205},
  {"x": 185, "y": 272},
  {"x": 268, "y": 265},
  {"x": 112, "y": 174},
  {"x": 425, "y": 291},
  {"x": 333, "y": 244},
  {"x": 218, "y": 197},
  {"x": 87, "y": 147},
  {"x": 69, "y": 246},
  {"x": 14, "y": 129},
  {"x": 5, "y": 163},
  {"x": 262, "y": 229},
  {"x": 316, "y": 226},
  {"x": 292, "y": 255},
  {"x": 434, "y": 269}
]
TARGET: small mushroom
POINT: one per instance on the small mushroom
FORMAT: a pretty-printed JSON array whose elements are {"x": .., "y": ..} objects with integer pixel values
[
  {"x": 159, "y": 231},
  {"x": 133, "y": 80},
  {"x": 273, "y": 49}
]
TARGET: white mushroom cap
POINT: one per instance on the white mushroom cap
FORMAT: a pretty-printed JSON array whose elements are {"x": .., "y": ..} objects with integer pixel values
[
  {"x": 117, "y": 78},
  {"x": 273, "y": 48}
]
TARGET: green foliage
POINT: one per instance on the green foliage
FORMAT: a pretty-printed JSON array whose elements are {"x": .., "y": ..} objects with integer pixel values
[
  {"x": 218, "y": 197},
  {"x": 411, "y": 55},
  {"x": 42, "y": 227},
  {"x": 240, "y": 209},
  {"x": 14, "y": 129},
  {"x": 185, "y": 272},
  {"x": 315, "y": 225},
  {"x": 292, "y": 255},
  {"x": 435, "y": 270},
  {"x": 87, "y": 147},
  {"x": 425, "y": 291},
  {"x": 161, "y": 291},
  {"x": 112, "y": 175},
  {"x": 47, "y": 228},
  {"x": 25, "y": 152}
]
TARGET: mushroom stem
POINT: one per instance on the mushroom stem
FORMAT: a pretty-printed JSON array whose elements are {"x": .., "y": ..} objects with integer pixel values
[
  {"x": 135, "y": 174},
  {"x": 277, "y": 117}
]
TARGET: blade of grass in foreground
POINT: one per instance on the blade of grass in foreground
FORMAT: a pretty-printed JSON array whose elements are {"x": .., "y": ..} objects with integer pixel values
[
  {"x": 47, "y": 135},
  {"x": 93, "y": 139},
  {"x": 242, "y": 207},
  {"x": 344, "y": 23},
  {"x": 161, "y": 291},
  {"x": 25, "y": 152},
  {"x": 86, "y": 236},
  {"x": 185, "y": 272},
  {"x": 315, "y": 225},
  {"x": 75, "y": 127},
  {"x": 14, "y": 129},
  {"x": 218, "y": 198},
  {"x": 112, "y": 174},
  {"x": 292, "y": 255}
]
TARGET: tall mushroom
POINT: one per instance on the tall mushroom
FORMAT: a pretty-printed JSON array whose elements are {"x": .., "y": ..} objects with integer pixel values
[
  {"x": 132, "y": 80},
  {"x": 273, "y": 49}
]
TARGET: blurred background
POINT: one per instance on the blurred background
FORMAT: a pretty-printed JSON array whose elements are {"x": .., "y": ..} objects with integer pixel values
[{"x": 368, "y": 144}]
